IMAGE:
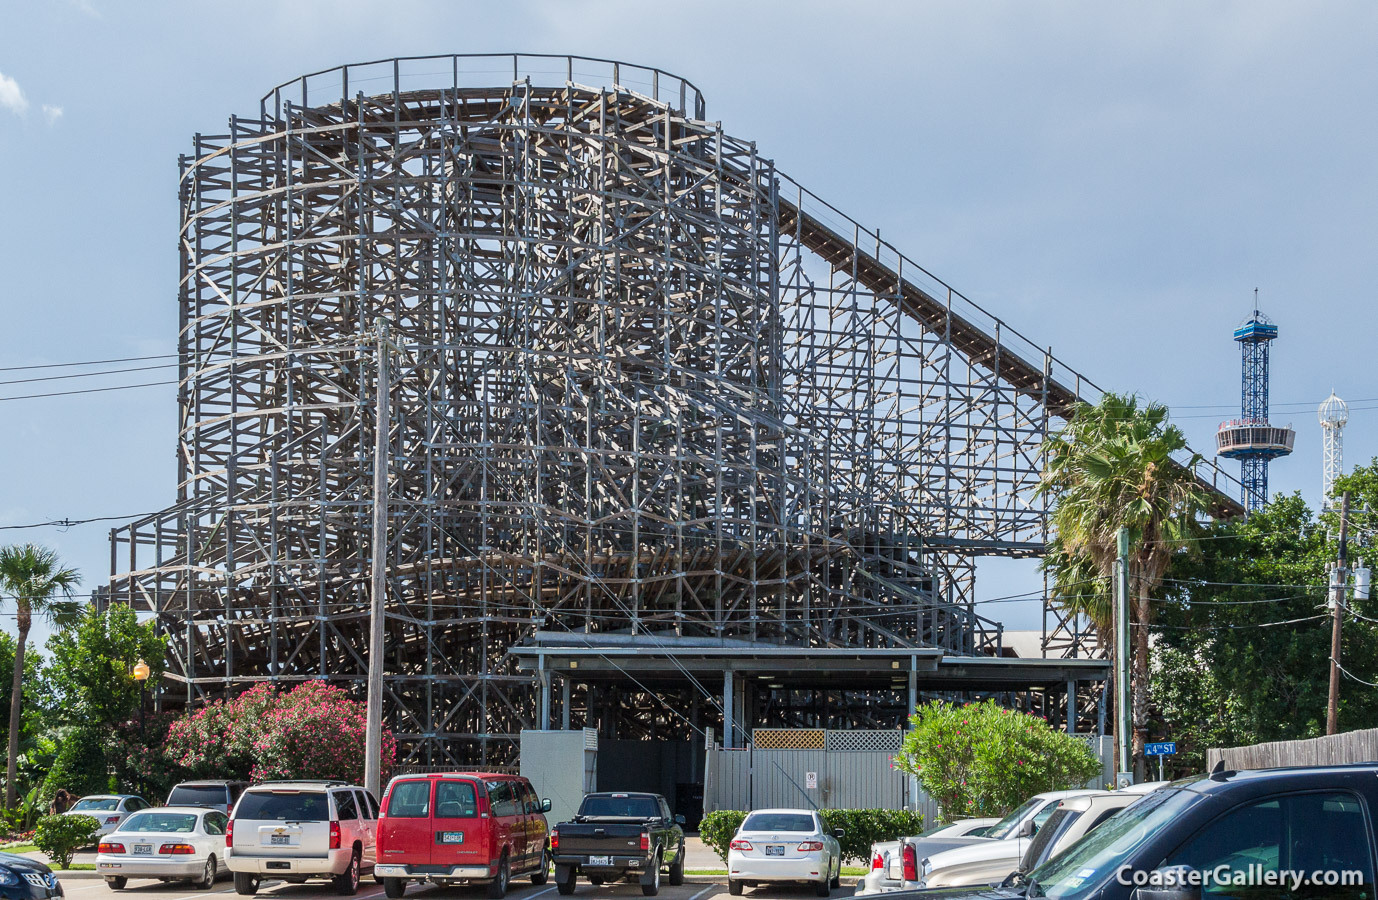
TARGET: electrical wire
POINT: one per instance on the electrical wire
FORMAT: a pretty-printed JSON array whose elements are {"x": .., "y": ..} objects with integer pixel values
[{"x": 121, "y": 387}]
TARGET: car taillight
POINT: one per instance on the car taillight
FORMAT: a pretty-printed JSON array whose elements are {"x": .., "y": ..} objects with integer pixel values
[
  {"x": 808, "y": 846},
  {"x": 179, "y": 849},
  {"x": 112, "y": 820},
  {"x": 645, "y": 841},
  {"x": 877, "y": 862},
  {"x": 483, "y": 807},
  {"x": 229, "y": 833},
  {"x": 909, "y": 861},
  {"x": 555, "y": 840},
  {"x": 334, "y": 835},
  {"x": 104, "y": 847},
  {"x": 740, "y": 845}
]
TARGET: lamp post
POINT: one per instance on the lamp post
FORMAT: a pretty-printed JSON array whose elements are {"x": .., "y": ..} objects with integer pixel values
[{"x": 141, "y": 676}]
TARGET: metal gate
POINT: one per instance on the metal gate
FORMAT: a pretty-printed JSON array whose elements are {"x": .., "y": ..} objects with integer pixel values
[{"x": 809, "y": 768}]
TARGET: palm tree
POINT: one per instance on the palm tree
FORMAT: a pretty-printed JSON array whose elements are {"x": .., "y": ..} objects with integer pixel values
[
  {"x": 39, "y": 585},
  {"x": 1110, "y": 467}
]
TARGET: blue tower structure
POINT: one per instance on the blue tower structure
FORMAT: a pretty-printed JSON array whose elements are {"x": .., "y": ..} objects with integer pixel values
[{"x": 1250, "y": 438}]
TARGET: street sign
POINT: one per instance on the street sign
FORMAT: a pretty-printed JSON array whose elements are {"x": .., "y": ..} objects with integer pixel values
[
  {"x": 1165, "y": 748},
  {"x": 811, "y": 780}
]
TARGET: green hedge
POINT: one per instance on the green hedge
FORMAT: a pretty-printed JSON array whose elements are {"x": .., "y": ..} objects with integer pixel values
[{"x": 863, "y": 828}]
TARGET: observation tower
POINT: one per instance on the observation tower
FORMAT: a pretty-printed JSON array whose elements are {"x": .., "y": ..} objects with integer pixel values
[
  {"x": 1250, "y": 438},
  {"x": 1333, "y": 415}
]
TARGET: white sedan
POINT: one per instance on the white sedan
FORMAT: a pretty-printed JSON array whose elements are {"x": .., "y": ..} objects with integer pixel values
[
  {"x": 784, "y": 845},
  {"x": 169, "y": 843}
]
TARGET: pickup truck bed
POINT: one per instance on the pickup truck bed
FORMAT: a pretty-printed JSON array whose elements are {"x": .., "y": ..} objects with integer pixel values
[{"x": 616, "y": 836}]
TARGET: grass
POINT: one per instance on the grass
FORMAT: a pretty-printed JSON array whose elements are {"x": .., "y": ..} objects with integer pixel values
[
  {"x": 77, "y": 867},
  {"x": 19, "y": 847}
]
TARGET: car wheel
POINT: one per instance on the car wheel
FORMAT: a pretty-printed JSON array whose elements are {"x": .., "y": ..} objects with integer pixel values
[
  {"x": 347, "y": 883},
  {"x": 497, "y": 888},
  {"x": 245, "y": 883},
  {"x": 677, "y": 870},
  {"x": 541, "y": 875},
  {"x": 565, "y": 879},
  {"x": 207, "y": 879},
  {"x": 596, "y": 882},
  {"x": 821, "y": 888},
  {"x": 650, "y": 882},
  {"x": 837, "y": 877},
  {"x": 116, "y": 882},
  {"x": 734, "y": 887},
  {"x": 394, "y": 887}
]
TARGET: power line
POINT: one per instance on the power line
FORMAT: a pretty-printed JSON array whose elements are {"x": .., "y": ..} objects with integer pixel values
[
  {"x": 89, "y": 362},
  {"x": 121, "y": 387},
  {"x": 92, "y": 374}
]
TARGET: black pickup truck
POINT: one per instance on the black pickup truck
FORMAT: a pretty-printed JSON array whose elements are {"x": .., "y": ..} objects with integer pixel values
[
  {"x": 616, "y": 836},
  {"x": 1268, "y": 833}
]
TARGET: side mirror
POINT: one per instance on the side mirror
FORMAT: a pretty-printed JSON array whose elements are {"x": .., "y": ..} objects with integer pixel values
[
  {"x": 680, "y": 820},
  {"x": 545, "y": 805},
  {"x": 839, "y": 832},
  {"x": 1172, "y": 883},
  {"x": 1028, "y": 828}
]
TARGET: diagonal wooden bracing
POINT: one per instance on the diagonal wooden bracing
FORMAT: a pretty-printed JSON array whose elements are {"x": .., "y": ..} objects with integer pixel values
[{"x": 651, "y": 387}]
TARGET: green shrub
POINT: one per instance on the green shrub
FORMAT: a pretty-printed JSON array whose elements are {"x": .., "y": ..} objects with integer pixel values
[
  {"x": 864, "y": 827},
  {"x": 861, "y": 827},
  {"x": 984, "y": 760},
  {"x": 61, "y": 836},
  {"x": 80, "y": 765},
  {"x": 716, "y": 830}
]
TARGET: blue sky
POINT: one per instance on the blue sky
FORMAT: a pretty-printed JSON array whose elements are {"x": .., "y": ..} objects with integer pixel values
[{"x": 1114, "y": 180}]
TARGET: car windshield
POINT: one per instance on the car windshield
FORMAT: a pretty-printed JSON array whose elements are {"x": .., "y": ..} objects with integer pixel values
[
  {"x": 1087, "y": 865},
  {"x": 284, "y": 806},
  {"x": 621, "y": 807},
  {"x": 96, "y": 804},
  {"x": 197, "y": 795},
  {"x": 1005, "y": 827},
  {"x": 181, "y": 823},
  {"x": 778, "y": 822}
]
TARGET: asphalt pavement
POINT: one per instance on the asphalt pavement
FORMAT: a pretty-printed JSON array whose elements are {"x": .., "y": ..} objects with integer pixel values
[{"x": 97, "y": 889}]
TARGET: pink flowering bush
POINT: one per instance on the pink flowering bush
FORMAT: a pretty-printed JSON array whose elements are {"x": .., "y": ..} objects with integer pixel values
[
  {"x": 981, "y": 760},
  {"x": 311, "y": 731}
]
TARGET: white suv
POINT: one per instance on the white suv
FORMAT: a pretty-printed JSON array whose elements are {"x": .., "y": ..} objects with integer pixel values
[{"x": 295, "y": 830}]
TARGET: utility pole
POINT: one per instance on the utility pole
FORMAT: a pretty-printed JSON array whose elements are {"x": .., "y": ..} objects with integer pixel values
[
  {"x": 373, "y": 734},
  {"x": 1338, "y": 579},
  {"x": 1122, "y": 711}
]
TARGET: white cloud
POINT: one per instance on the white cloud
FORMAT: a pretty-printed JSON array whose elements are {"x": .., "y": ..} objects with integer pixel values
[
  {"x": 52, "y": 113},
  {"x": 11, "y": 97}
]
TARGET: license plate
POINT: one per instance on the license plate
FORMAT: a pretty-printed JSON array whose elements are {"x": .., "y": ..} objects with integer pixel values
[
  {"x": 451, "y": 837},
  {"x": 280, "y": 840},
  {"x": 600, "y": 860},
  {"x": 143, "y": 848},
  {"x": 774, "y": 850}
]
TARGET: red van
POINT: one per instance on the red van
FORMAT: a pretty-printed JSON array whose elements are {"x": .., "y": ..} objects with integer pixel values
[{"x": 461, "y": 827}]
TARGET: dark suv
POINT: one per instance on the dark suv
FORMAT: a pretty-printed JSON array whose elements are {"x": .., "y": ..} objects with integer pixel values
[
  {"x": 1271, "y": 833},
  {"x": 217, "y": 795}
]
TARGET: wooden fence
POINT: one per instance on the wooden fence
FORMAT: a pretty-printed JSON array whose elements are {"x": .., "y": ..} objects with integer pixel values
[{"x": 1336, "y": 749}]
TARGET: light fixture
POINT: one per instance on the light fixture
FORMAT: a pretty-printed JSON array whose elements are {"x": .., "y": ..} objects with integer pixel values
[{"x": 141, "y": 670}]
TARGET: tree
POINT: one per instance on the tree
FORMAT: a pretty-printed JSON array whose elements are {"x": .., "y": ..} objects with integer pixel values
[
  {"x": 39, "y": 585},
  {"x": 1245, "y": 639},
  {"x": 1112, "y": 467},
  {"x": 984, "y": 760},
  {"x": 91, "y": 665}
]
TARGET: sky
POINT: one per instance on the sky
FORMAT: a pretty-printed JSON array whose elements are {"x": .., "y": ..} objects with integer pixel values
[{"x": 1113, "y": 180}]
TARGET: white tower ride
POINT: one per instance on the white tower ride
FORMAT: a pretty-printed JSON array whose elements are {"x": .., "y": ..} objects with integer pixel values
[{"x": 1333, "y": 415}]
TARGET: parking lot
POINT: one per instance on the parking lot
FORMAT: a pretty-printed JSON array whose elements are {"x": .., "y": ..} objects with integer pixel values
[{"x": 96, "y": 889}]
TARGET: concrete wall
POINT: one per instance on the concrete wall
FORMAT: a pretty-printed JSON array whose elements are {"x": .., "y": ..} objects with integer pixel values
[{"x": 561, "y": 766}]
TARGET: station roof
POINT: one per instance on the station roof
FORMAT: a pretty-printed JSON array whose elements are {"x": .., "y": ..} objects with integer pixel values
[{"x": 668, "y": 660}]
